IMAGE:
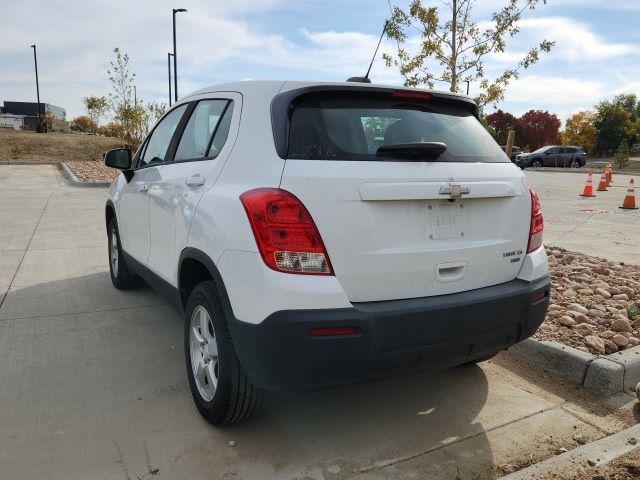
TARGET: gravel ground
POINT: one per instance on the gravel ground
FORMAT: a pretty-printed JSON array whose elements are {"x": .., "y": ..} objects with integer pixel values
[
  {"x": 593, "y": 303},
  {"x": 92, "y": 171}
]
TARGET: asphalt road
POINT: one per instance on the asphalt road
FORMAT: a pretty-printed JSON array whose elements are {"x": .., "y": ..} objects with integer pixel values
[
  {"x": 93, "y": 386},
  {"x": 595, "y": 226}
]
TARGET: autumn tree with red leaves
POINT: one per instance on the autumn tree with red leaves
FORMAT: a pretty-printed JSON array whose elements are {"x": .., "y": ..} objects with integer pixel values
[
  {"x": 538, "y": 129},
  {"x": 502, "y": 122}
]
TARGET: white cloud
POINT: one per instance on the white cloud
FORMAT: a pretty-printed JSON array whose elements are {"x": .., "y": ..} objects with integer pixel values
[
  {"x": 534, "y": 89},
  {"x": 575, "y": 41},
  {"x": 631, "y": 87}
]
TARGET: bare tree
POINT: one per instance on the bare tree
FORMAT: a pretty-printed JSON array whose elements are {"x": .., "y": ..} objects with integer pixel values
[{"x": 453, "y": 47}]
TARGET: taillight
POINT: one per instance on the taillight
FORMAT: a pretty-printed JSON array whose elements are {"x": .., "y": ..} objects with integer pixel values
[
  {"x": 411, "y": 95},
  {"x": 287, "y": 238},
  {"x": 537, "y": 223}
]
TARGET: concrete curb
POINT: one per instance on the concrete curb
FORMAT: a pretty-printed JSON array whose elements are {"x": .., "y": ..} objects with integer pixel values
[
  {"x": 28, "y": 162},
  {"x": 602, "y": 375},
  {"x": 594, "y": 454},
  {"x": 71, "y": 177}
]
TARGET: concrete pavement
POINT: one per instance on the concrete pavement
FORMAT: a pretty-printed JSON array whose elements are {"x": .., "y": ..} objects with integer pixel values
[
  {"x": 93, "y": 385},
  {"x": 594, "y": 226}
]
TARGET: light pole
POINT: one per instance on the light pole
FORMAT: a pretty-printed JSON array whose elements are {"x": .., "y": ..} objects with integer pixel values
[
  {"x": 35, "y": 61},
  {"x": 175, "y": 53},
  {"x": 169, "y": 55}
]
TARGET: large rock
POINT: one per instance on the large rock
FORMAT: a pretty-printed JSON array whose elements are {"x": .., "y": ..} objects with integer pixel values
[
  {"x": 621, "y": 296},
  {"x": 602, "y": 292},
  {"x": 595, "y": 344},
  {"x": 566, "y": 321},
  {"x": 620, "y": 325},
  {"x": 580, "y": 317},
  {"x": 571, "y": 294},
  {"x": 585, "y": 327},
  {"x": 620, "y": 340},
  {"x": 608, "y": 334},
  {"x": 576, "y": 307},
  {"x": 610, "y": 347}
]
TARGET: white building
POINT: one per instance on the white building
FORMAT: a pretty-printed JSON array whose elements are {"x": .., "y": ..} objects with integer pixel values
[{"x": 11, "y": 122}]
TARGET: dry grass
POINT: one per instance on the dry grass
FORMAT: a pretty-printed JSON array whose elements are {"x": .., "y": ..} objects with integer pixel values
[{"x": 53, "y": 147}]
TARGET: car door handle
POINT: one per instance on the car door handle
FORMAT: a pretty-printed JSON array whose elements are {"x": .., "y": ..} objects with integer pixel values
[
  {"x": 143, "y": 187},
  {"x": 194, "y": 181}
]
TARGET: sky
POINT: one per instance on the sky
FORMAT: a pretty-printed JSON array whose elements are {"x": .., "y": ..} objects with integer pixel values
[{"x": 596, "y": 55}]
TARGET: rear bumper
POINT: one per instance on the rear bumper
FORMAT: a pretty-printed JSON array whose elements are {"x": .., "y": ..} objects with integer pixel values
[{"x": 393, "y": 337}]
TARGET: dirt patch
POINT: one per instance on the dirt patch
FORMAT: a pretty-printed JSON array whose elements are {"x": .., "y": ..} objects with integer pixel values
[
  {"x": 595, "y": 303},
  {"x": 92, "y": 171},
  {"x": 53, "y": 147},
  {"x": 626, "y": 467}
]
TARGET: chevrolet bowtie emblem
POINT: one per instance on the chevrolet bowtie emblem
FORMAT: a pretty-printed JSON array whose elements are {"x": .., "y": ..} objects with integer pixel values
[{"x": 455, "y": 191}]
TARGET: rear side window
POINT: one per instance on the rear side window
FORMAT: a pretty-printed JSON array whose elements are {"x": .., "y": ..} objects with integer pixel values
[
  {"x": 354, "y": 128},
  {"x": 205, "y": 121},
  {"x": 572, "y": 150}
]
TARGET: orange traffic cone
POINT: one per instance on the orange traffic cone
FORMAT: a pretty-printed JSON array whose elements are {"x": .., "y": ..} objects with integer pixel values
[
  {"x": 607, "y": 174},
  {"x": 588, "y": 188},
  {"x": 629, "y": 202},
  {"x": 602, "y": 185}
]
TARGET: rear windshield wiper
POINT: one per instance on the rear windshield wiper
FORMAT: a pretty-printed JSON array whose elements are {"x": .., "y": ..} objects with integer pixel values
[{"x": 412, "y": 151}]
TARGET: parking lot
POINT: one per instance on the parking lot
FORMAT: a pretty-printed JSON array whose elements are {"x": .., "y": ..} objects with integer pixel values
[{"x": 92, "y": 383}]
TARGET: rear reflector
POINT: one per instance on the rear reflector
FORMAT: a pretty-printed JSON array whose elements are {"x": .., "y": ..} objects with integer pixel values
[
  {"x": 537, "y": 223},
  {"x": 536, "y": 297},
  {"x": 333, "y": 331},
  {"x": 411, "y": 95},
  {"x": 285, "y": 233}
]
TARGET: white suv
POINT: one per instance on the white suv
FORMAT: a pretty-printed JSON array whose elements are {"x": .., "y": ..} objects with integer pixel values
[{"x": 317, "y": 234}]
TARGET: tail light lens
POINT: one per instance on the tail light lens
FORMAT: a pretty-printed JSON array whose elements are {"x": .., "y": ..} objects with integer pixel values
[
  {"x": 287, "y": 237},
  {"x": 537, "y": 223}
]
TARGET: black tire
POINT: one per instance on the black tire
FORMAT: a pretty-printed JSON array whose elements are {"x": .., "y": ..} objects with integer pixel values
[
  {"x": 537, "y": 163},
  {"x": 575, "y": 163},
  {"x": 234, "y": 398},
  {"x": 121, "y": 276}
]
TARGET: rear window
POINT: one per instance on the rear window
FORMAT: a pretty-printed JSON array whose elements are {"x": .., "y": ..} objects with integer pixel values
[{"x": 354, "y": 129}]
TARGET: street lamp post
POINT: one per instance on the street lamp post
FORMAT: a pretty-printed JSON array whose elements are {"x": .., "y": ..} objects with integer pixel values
[
  {"x": 35, "y": 61},
  {"x": 169, "y": 55},
  {"x": 175, "y": 53}
]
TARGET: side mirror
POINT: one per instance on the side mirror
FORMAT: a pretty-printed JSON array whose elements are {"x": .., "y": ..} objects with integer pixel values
[{"x": 119, "y": 158}]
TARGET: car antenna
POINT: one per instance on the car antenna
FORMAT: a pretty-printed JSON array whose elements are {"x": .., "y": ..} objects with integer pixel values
[{"x": 366, "y": 79}]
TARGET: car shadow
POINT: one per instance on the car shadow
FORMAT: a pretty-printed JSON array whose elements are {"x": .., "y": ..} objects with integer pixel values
[{"x": 134, "y": 388}]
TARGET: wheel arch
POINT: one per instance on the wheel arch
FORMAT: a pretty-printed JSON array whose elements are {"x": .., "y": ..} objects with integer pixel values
[
  {"x": 109, "y": 212},
  {"x": 195, "y": 266}
]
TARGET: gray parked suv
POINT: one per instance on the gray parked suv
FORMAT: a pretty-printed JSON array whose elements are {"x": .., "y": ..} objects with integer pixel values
[{"x": 553, "y": 156}]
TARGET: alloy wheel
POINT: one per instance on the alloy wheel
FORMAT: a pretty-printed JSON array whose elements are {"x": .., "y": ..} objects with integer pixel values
[
  {"x": 204, "y": 353},
  {"x": 113, "y": 253}
]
